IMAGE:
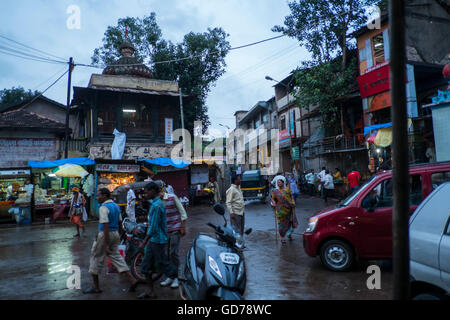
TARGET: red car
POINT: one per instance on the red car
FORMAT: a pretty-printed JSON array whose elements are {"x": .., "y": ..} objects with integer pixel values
[{"x": 360, "y": 227}]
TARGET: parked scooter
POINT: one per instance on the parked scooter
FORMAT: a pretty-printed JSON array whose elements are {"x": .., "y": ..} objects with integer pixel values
[
  {"x": 133, "y": 236},
  {"x": 215, "y": 268}
]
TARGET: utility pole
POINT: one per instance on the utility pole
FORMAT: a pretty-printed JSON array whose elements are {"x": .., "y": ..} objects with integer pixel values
[
  {"x": 400, "y": 217},
  {"x": 182, "y": 124},
  {"x": 66, "y": 141}
]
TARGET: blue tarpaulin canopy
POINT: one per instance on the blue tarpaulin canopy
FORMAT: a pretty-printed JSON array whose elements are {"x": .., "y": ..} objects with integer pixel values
[
  {"x": 177, "y": 163},
  {"x": 376, "y": 127},
  {"x": 57, "y": 163}
]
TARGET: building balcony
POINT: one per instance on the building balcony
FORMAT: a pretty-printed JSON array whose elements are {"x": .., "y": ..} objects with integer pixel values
[
  {"x": 283, "y": 102},
  {"x": 340, "y": 143}
]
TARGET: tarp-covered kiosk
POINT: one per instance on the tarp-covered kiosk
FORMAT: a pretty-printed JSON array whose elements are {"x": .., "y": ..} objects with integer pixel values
[
  {"x": 173, "y": 172},
  {"x": 15, "y": 195},
  {"x": 53, "y": 181}
]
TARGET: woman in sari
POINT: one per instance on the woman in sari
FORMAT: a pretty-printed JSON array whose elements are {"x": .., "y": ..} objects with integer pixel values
[
  {"x": 284, "y": 209},
  {"x": 76, "y": 210}
]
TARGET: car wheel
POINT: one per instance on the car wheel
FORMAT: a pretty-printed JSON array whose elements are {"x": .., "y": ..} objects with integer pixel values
[
  {"x": 430, "y": 296},
  {"x": 336, "y": 255}
]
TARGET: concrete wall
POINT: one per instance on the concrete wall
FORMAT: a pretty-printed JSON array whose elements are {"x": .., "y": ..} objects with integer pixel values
[
  {"x": 131, "y": 82},
  {"x": 102, "y": 150},
  {"x": 48, "y": 110},
  {"x": 19, "y": 147}
]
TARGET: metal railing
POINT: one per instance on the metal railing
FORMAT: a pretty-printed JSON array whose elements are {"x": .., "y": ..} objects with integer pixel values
[{"x": 338, "y": 143}]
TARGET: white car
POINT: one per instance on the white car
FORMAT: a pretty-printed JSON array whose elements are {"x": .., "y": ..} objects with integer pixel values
[{"x": 430, "y": 246}]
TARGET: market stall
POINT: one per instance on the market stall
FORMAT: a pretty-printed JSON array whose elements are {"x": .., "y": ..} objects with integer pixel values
[
  {"x": 53, "y": 181},
  {"x": 15, "y": 195},
  {"x": 112, "y": 174},
  {"x": 173, "y": 172}
]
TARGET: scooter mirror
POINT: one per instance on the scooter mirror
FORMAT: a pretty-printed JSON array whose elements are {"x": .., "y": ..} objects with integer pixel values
[
  {"x": 219, "y": 209},
  {"x": 248, "y": 231}
]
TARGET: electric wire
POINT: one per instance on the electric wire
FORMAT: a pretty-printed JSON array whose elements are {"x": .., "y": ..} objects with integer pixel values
[
  {"x": 40, "y": 94},
  {"x": 31, "y": 48},
  {"x": 25, "y": 55}
]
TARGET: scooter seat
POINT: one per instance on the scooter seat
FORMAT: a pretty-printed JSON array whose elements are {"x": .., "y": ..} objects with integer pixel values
[{"x": 202, "y": 242}]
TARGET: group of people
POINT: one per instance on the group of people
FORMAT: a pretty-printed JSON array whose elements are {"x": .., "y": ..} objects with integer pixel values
[
  {"x": 166, "y": 225},
  {"x": 324, "y": 182}
]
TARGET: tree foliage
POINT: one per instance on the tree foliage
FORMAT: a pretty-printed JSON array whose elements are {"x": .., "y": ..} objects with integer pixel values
[
  {"x": 321, "y": 84},
  {"x": 325, "y": 29},
  {"x": 9, "y": 97},
  {"x": 196, "y": 75}
]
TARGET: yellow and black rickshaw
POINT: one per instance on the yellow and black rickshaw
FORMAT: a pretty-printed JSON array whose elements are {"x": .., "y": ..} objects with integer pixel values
[{"x": 254, "y": 186}]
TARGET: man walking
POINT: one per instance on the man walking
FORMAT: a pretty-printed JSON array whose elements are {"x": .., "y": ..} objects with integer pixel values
[
  {"x": 328, "y": 186},
  {"x": 131, "y": 203},
  {"x": 176, "y": 228},
  {"x": 107, "y": 242},
  {"x": 321, "y": 177},
  {"x": 155, "y": 241},
  {"x": 235, "y": 204},
  {"x": 310, "y": 179},
  {"x": 353, "y": 180}
]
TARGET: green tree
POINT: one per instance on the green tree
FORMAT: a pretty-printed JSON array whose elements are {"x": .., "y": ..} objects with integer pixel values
[
  {"x": 198, "y": 61},
  {"x": 9, "y": 97},
  {"x": 325, "y": 28}
]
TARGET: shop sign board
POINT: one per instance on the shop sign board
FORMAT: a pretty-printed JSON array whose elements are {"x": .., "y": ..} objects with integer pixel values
[
  {"x": 117, "y": 167},
  {"x": 380, "y": 101},
  {"x": 169, "y": 130},
  {"x": 284, "y": 138},
  {"x": 14, "y": 172},
  {"x": 16, "y": 152},
  {"x": 292, "y": 122},
  {"x": 295, "y": 153},
  {"x": 374, "y": 82}
]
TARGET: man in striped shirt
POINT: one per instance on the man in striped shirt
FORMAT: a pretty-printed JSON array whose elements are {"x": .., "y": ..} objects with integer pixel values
[{"x": 176, "y": 228}]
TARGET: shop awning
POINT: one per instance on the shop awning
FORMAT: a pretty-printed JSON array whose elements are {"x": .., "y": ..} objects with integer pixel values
[
  {"x": 177, "y": 163},
  {"x": 376, "y": 127},
  {"x": 57, "y": 163}
]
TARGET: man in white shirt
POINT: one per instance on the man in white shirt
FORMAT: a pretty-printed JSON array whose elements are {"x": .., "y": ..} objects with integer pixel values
[
  {"x": 235, "y": 204},
  {"x": 310, "y": 179},
  {"x": 131, "y": 203},
  {"x": 321, "y": 177},
  {"x": 328, "y": 186}
]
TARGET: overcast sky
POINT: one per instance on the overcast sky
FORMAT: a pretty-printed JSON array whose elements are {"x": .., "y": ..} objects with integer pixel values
[{"x": 43, "y": 25}]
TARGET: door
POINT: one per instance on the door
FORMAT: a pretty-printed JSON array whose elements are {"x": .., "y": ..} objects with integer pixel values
[
  {"x": 376, "y": 218},
  {"x": 444, "y": 256},
  {"x": 375, "y": 222}
]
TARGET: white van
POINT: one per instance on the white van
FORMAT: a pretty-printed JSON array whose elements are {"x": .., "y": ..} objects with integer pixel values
[{"x": 430, "y": 246}]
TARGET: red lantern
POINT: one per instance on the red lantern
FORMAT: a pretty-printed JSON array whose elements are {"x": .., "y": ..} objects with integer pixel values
[{"x": 446, "y": 71}]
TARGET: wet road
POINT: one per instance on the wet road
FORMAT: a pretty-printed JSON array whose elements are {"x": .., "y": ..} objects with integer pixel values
[{"x": 34, "y": 260}]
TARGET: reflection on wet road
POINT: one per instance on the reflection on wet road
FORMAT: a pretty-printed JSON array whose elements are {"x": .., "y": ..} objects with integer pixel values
[{"x": 34, "y": 262}]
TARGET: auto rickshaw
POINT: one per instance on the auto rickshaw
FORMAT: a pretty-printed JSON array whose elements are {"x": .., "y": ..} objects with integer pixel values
[{"x": 254, "y": 186}]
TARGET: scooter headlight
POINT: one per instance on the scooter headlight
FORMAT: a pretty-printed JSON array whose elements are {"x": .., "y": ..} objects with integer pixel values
[
  {"x": 239, "y": 243},
  {"x": 213, "y": 265}
]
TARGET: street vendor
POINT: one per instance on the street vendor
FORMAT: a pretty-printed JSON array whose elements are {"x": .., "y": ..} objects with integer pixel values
[
  {"x": 131, "y": 203},
  {"x": 214, "y": 186},
  {"x": 77, "y": 210}
]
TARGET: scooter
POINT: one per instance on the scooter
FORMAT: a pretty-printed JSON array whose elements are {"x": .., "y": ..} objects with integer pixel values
[
  {"x": 132, "y": 238},
  {"x": 215, "y": 267}
]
